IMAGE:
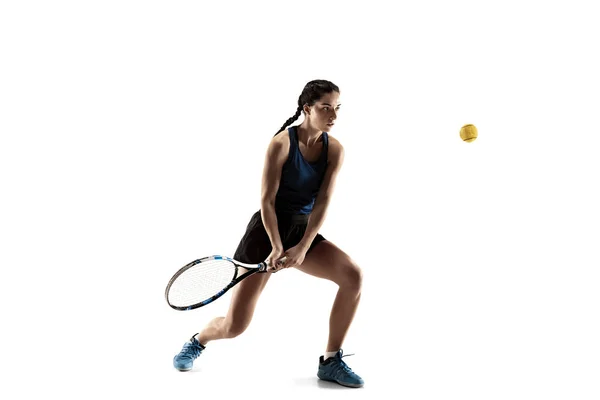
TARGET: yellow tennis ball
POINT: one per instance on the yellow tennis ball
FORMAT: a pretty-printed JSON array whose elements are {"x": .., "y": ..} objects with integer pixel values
[{"x": 468, "y": 133}]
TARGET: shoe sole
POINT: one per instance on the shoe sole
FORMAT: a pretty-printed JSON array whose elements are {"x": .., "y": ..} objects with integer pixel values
[
  {"x": 358, "y": 385},
  {"x": 182, "y": 369}
]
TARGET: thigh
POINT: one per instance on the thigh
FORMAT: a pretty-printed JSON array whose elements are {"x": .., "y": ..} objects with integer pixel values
[
  {"x": 245, "y": 297},
  {"x": 327, "y": 261},
  {"x": 254, "y": 247}
]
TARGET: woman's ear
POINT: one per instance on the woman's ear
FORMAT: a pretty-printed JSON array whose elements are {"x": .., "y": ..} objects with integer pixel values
[{"x": 306, "y": 109}]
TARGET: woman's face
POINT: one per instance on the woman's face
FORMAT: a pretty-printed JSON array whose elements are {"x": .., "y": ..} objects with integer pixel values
[{"x": 325, "y": 111}]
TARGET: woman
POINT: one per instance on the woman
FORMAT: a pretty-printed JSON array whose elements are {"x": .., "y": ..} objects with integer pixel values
[{"x": 299, "y": 175}]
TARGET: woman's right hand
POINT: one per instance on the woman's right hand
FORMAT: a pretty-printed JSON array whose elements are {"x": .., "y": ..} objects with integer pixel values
[{"x": 273, "y": 259}]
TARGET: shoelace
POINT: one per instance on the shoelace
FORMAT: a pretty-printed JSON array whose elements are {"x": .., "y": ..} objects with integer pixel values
[
  {"x": 340, "y": 366},
  {"x": 191, "y": 350}
]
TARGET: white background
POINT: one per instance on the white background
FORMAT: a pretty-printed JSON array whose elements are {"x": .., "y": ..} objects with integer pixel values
[{"x": 133, "y": 137}]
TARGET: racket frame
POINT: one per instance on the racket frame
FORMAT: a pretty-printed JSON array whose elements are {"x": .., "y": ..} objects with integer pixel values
[{"x": 252, "y": 269}]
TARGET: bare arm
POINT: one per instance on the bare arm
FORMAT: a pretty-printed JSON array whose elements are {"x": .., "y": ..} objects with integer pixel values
[
  {"x": 317, "y": 216},
  {"x": 277, "y": 154}
]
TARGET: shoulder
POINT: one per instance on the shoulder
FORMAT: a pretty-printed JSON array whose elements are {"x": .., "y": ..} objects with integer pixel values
[
  {"x": 335, "y": 150},
  {"x": 282, "y": 137},
  {"x": 279, "y": 144}
]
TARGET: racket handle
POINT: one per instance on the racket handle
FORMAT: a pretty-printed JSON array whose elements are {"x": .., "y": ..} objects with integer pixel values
[{"x": 264, "y": 265}]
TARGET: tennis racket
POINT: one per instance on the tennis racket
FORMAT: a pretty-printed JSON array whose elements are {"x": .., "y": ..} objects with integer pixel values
[{"x": 204, "y": 280}]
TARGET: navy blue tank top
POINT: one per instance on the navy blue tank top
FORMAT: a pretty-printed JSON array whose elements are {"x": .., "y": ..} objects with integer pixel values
[{"x": 300, "y": 180}]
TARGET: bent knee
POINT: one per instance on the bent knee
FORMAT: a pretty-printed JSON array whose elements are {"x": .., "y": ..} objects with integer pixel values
[
  {"x": 232, "y": 329},
  {"x": 351, "y": 278}
]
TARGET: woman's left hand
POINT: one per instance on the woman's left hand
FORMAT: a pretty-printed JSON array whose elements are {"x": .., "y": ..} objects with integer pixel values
[{"x": 294, "y": 257}]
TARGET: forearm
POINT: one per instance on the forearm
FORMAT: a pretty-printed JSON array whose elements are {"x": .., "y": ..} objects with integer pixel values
[
  {"x": 269, "y": 219},
  {"x": 317, "y": 217}
]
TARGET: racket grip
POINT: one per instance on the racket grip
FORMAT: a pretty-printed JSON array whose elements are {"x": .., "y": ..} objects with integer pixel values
[{"x": 265, "y": 265}]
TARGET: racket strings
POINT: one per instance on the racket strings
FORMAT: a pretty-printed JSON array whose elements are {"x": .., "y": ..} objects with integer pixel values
[{"x": 200, "y": 282}]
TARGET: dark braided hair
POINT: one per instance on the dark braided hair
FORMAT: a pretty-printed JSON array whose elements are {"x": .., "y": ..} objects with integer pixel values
[{"x": 311, "y": 93}]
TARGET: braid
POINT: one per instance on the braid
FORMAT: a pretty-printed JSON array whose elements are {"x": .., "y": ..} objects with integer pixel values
[
  {"x": 312, "y": 92},
  {"x": 291, "y": 119}
]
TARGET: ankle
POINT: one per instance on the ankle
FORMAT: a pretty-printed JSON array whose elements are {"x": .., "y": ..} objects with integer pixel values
[{"x": 200, "y": 342}]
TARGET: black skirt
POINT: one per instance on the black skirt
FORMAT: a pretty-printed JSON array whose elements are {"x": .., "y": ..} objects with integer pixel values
[{"x": 255, "y": 245}]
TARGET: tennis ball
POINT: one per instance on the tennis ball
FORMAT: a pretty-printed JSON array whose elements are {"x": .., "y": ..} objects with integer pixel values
[{"x": 468, "y": 133}]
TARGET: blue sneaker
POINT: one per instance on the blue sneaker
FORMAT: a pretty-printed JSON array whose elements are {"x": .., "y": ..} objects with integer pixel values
[
  {"x": 184, "y": 361},
  {"x": 335, "y": 370}
]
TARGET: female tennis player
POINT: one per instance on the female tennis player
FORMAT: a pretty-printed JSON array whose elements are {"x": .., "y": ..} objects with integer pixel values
[{"x": 299, "y": 175}]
